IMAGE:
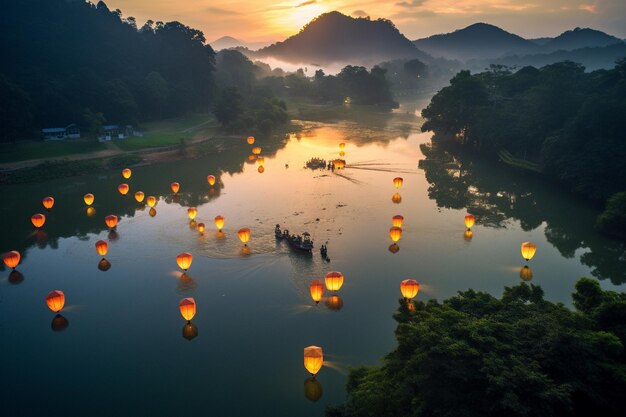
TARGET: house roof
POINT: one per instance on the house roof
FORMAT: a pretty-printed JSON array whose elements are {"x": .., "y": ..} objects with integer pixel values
[{"x": 53, "y": 130}]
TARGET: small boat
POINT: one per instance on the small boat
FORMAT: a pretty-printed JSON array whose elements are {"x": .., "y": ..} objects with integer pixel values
[{"x": 303, "y": 243}]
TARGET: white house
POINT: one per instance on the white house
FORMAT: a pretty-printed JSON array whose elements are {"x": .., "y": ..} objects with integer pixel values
[{"x": 60, "y": 133}]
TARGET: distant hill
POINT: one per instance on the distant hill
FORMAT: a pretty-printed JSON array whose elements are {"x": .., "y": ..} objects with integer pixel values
[
  {"x": 540, "y": 41},
  {"x": 579, "y": 38},
  {"x": 336, "y": 38},
  {"x": 228, "y": 42},
  {"x": 477, "y": 41}
]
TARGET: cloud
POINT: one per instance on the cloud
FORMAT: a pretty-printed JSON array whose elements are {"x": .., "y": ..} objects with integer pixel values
[
  {"x": 220, "y": 11},
  {"x": 359, "y": 13},
  {"x": 591, "y": 8},
  {"x": 306, "y": 3},
  {"x": 411, "y": 4}
]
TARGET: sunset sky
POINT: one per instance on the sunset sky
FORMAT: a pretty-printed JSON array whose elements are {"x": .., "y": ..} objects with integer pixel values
[{"x": 263, "y": 20}]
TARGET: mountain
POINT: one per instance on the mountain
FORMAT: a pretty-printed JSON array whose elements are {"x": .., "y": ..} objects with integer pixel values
[
  {"x": 579, "y": 38},
  {"x": 477, "y": 41},
  {"x": 228, "y": 42},
  {"x": 540, "y": 41},
  {"x": 336, "y": 38}
]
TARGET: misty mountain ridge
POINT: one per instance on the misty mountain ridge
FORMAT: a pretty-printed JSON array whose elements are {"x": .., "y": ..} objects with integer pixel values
[
  {"x": 579, "y": 38},
  {"x": 228, "y": 42},
  {"x": 334, "y": 37}
]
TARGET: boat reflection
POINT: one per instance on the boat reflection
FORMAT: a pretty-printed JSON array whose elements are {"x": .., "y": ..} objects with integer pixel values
[{"x": 312, "y": 389}]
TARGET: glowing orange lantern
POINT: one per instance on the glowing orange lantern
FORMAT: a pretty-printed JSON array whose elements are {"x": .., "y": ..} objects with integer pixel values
[
  {"x": 397, "y": 220},
  {"x": 317, "y": 290},
  {"x": 48, "y": 202},
  {"x": 151, "y": 201},
  {"x": 397, "y": 182},
  {"x": 192, "y": 212},
  {"x": 55, "y": 300},
  {"x": 528, "y": 250},
  {"x": 256, "y": 150},
  {"x": 123, "y": 189},
  {"x": 126, "y": 173},
  {"x": 409, "y": 288},
  {"x": 38, "y": 220},
  {"x": 396, "y": 198},
  {"x": 139, "y": 196},
  {"x": 111, "y": 221},
  {"x": 175, "y": 187},
  {"x": 219, "y": 222},
  {"x": 88, "y": 198},
  {"x": 244, "y": 235},
  {"x": 201, "y": 228},
  {"x": 342, "y": 146},
  {"x": 339, "y": 164},
  {"x": 250, "y": 140},
  {"x": 334, "y": 280},
  {"x": 184, "y": 260},
  {"x": 395, "y": 233},
  {"x": 211, "y": 180},
  {"x": 313, "y": 359},
  {"x": 187, "y": 307},
  {"x": 11, "y": 259},
  {"x": 469, "y": 220},
  {"x": 525, "y": 273},
  {"x": 102, "y": 247},
  {"x": 260, "y": 160},
  {"x": 261, "y": 169}
]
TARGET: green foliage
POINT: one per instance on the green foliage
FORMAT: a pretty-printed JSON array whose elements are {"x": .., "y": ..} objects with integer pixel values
[
  {"x": 228, "y": 106},
  {"x": 476, "y": 355},
  {"x": 568, "y": 121},
  {"x": 612, "y": 221}
]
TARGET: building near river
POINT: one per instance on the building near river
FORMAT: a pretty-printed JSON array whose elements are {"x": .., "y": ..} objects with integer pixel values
[{"x": 71, "y": 131}]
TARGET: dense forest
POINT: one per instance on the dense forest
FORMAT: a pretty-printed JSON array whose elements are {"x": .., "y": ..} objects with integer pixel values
[
  {"x": 519, "y": 355},
  {"x": 568, "y": 123}
]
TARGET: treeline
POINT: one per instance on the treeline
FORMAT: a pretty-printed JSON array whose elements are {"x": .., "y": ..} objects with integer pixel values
[
  {"x": 518, "y": 355},
  {"x": 569, "y": 122},
  {"x": 76, "y": 62}
]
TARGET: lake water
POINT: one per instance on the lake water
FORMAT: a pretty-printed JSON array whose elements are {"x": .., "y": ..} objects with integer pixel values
[{"x": 124, "y": 352}]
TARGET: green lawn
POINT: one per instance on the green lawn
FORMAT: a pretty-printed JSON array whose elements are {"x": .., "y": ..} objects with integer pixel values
[
  {"x": 39, "y": 149},
  {"x": 151, "y": 140}
]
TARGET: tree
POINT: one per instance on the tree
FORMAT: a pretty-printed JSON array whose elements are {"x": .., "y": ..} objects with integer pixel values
[
  {"x": 94, "y": 122},
  {"x": 15, "y": 112},
  {"x": 228, "y": 106},
  {"x": 612, "y": 221}
]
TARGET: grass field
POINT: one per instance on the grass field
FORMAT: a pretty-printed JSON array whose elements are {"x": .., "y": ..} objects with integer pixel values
[{"x": 22, "y": 151}]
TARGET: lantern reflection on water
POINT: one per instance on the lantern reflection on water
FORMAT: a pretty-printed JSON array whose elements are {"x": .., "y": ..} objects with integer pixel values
[
  {"x": 525, "y": 273},
  {"x": 394, "y": 248},
  {"x": 15, "y": 277},
  {"x": 201, "y": 228},
  {"x": 313, "y": 359},
  {"x": 261, "y": 169},
  {"x": 59, "y": 323},
  {"x": 256, "y": 150},
  {"x": 91, "y": 211},
  {"x": 152, "y": 212},
  {"x": 334, "y": 303},
  {"x": 312, "y": 389},
  {"x": 190, "y": 331},
  {"x": 396, "y": 198},
  {"x": 104, "y": 265}
]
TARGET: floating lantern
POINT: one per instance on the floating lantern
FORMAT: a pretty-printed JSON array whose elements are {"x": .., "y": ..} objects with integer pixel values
[
  {"x": 55, "y": 300},
  {"x": 244, "y": 235},
  {"x": 394, "y": 248},
  {"x": 192, "y": 212},
  {"x": 104, "y": 265},
  {"x": 334, "y": 280},
  {"x": 313, "y": 359},
  {"x": 469, "y": 220},
  {"x": 260, "y": 160},
  {"x": 151, "y": 201},
  {"x": 91, "y": 211},
  {"x": 123, "y": 189},
  {"x": 190, "y": 331},
  {"x": 317, "y": 290},
  {"x": 334, "y": 303},
  {"x": 102, "y": 247},
  {"x": 409, "y": 288},
  {"x": 201, "y": 228},
  {"x": 395, "y": 233},
  {"x": 256, "y": 150},
  {"x": 111, "y": 221},
  {"x": 219, "y": 222},
  {"x": 48, "y": 202},
  {"x": 88, "y": 198},
  {"x": 342, "y": 146},
  {"x": 397, "y": 220},
  {"x": 261, "y": 169},
  {"x": 397, "y": 182},
  {"x": 396, "y": 198},
  {"x": 250, "y": 140},
  {"x": 339, "y": 163},
  {"x": 211, "y": 180},
  {"x": 139, "y": 196},
  {"x": 525, "y": 273},
  {"x": 468, "y": 235},
  {"x": 187, "y": 307},
  {"x": 38, "y": 220},
  {"x": 251, "y": 158},
  {"x": 152, "y": 212},
  {"x": 175, "y": 187},
  {"x": 11, "y": 259},
  {"x": 184, "y": 260},
  {"x": 312, "y": 389},
  {"x": 126, "y": 173},
  {"x": 528, "y": 250}
]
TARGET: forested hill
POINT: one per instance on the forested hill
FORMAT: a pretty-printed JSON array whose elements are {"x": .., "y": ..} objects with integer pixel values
[
  {"x": 335, "y": 37},
  {"x": 66, "y": 61}
]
